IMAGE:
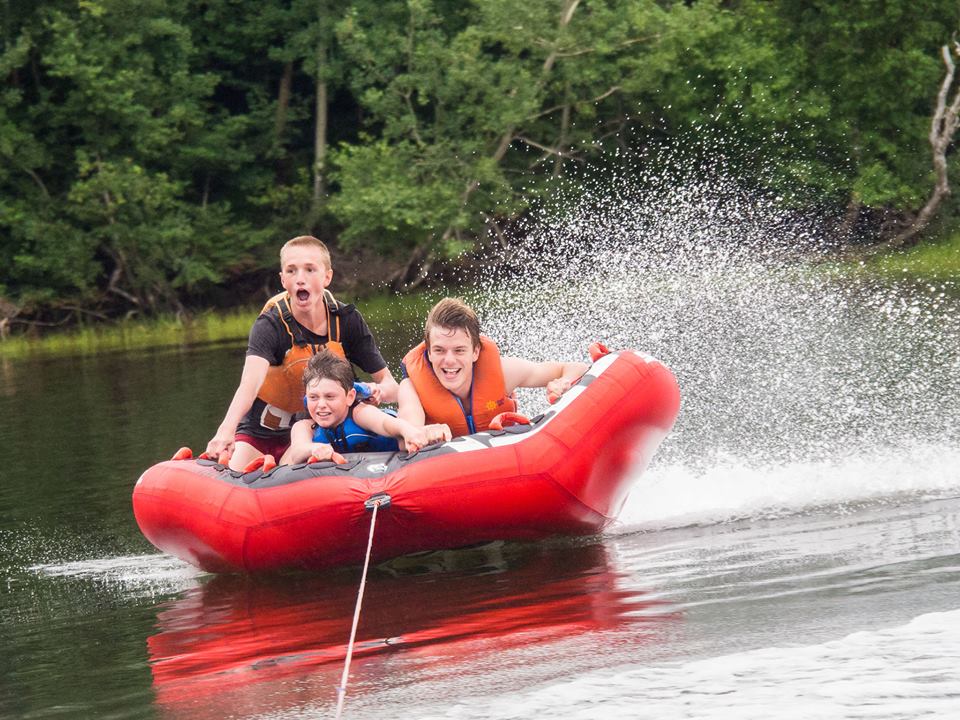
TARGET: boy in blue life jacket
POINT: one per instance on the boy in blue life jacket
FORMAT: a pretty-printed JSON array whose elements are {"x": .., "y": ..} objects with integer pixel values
[{"x": 340, "y": 422}]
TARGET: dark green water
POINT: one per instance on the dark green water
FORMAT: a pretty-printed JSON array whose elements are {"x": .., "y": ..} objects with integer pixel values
[
  {"x": 79, "y": 585},
  {"x": 713, "y": 559}
]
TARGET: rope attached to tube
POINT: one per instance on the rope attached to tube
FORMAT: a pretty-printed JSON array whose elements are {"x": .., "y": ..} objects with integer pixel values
[{"x": 374, "y": 504}]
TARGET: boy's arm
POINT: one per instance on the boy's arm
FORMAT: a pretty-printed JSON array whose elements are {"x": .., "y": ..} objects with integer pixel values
[
  {"x": 254, "y": 372},
  {"x": 385, "y": 390},
  {"x": 301, "y": 443},
  {"x": 302, "y": 447},
  {"x": 379, "y": 422},
  {"x": 556, "y": 377},
  {"x": 409, "y": 407},
  {"x": 362, "y": 351}
]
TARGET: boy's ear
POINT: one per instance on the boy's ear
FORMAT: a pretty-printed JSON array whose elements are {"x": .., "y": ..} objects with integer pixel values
[
  {"x": 351, "y": 396},
  {"x": 328, "y": 277}
]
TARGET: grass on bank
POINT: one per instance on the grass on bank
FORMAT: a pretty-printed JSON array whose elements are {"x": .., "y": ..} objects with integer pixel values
[
  {"x": 934, "y": 260},
  {"x": 202, "y": 328}
]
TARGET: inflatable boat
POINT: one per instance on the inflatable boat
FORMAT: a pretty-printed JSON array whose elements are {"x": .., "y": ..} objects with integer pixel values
[{"x": 565, "y": 472}]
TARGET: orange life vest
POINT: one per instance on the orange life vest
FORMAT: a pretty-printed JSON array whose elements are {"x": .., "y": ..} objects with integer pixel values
[
  {"x": 283, "y": 386},
  {"x": 488, "y": 390}
]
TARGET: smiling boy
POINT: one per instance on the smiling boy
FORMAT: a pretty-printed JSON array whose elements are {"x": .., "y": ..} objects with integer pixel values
[
  {"x": 340, "y": 423},
  {"x": 457, "y": 377},
  {"x": 291, "y": 328}
]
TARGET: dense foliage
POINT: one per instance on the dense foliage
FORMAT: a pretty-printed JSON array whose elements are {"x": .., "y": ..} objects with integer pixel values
[{"x": 151, "y": 150}]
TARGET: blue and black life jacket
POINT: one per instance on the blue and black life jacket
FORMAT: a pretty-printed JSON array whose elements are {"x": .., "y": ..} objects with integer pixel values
[{"x": 349, "y": 437}]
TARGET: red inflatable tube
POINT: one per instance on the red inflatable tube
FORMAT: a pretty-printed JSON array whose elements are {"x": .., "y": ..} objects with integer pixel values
[{"x": 567, "y": 473}]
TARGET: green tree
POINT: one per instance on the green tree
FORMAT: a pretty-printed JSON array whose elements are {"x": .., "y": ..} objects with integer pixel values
[
  {"x": 458, "y": 95},
  {"x": 114, "y": 93}
]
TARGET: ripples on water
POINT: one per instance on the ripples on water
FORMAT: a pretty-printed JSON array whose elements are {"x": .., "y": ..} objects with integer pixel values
[{"x": 901, "y": 672}]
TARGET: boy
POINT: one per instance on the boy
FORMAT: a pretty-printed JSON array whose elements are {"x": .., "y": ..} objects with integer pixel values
[
  {"x": 458, "y": 377},
  {"x": 340, "y": 423},
  {"x": 292, "y": 326}
]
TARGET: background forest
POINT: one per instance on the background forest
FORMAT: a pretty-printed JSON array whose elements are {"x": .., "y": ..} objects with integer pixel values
[{"x": 155, "y": 153}]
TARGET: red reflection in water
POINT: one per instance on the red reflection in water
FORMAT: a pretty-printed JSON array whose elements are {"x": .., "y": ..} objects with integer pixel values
[{"x": 240, "y": 645}]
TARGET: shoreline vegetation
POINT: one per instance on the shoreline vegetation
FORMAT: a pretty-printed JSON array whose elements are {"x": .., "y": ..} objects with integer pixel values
[
  {"x": 201, "y": 328},
  {"x": 933, "y": 261}
]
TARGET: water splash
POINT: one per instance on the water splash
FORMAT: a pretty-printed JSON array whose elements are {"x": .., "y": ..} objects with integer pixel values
[{"x": 800, "y": 384}]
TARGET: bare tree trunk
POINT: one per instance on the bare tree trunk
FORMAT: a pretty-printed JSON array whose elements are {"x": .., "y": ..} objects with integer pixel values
[
  {"x": 849, "y": 222},
  {"x": 8, "y": 311},
  {"x": 564, "y": 130},
  {"x": 283, "y": 104},
  {"x": 942, "y": 129},
  {"x": 320, "y": 133}
]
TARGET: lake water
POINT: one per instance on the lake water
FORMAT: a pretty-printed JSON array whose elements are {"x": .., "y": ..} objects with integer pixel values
[{"x": 793, "y": 551}]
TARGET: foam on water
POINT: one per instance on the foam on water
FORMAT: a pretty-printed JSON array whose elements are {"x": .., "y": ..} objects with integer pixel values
[
  {"x": 676, "y": 495},
  {"x": 143, "y": 574},
  {"x": 800, "y": 386},
  {"x": 901, "y": 672}
]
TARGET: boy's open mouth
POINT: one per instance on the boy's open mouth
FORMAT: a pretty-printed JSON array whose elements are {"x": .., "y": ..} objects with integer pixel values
[{"x": 303, "y": 295}]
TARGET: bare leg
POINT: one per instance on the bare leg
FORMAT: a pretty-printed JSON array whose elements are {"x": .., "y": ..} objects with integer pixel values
[{"x": 243, "y": 455}]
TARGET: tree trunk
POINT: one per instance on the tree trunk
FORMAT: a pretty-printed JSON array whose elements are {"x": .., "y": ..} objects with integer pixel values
[
  {"x": 850, "y": 217},
  {"x": 564, "y": 130},
  {"x": 507, "y": 138},
  {"x": 942, "y": 128},
  {"x": 283, "y": 104},
  {"x": 320, "y": 133}
]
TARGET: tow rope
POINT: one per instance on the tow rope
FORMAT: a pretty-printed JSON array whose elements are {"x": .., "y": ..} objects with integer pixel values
[{"x": 372, "y": 503}]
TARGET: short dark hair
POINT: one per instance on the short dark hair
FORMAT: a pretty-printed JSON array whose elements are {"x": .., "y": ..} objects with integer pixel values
[
  {"x": 327, "y": 366},
  {"x": 453, "y": 314},
  {"x": 308, "y": 241}
]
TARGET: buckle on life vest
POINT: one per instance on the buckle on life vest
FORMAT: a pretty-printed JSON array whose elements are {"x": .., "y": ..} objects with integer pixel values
[{"x": 274, "y": 418}]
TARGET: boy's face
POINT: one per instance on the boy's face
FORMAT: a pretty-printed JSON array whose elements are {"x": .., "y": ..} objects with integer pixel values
[
  {"x": 328, "y": 402},
  {"x": 304, "y": 274},
  {"x": 452, "y": 355}
]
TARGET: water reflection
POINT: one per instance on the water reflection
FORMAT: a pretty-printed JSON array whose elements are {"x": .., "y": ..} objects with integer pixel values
[{"x": 240, "y": 644}]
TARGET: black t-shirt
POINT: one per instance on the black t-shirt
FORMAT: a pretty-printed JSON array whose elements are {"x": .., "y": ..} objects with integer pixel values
[{"x": 270, "y": 340}]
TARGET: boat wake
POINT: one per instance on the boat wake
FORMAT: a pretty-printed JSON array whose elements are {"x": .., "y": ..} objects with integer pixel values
[
  {"x": 145, "y": 573},
  {"x": 802, "y": 386},
  {"x": 677, "y": 495}
]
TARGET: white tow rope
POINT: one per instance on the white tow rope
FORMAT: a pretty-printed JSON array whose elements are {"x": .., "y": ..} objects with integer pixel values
[{"x": 342, "y": 687}]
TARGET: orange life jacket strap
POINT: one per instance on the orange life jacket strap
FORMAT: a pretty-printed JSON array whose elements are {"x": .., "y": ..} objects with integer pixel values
[{"x": 283, "y": 385}]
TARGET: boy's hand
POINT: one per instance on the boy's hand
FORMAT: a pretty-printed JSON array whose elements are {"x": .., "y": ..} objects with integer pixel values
[
  {"x": 375, "y": 393},
  {"x": 414, "y": 438},
  {"x": 219, "y": 445},
  {"x": 556, "y": 388},
  {"x": 418, "y": 438},
  {"x": 325, "y": 451},
  {"x": 436, "y": 433}
]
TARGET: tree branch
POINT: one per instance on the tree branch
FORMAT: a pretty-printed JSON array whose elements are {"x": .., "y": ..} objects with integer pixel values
[
  {"x": 598, "y": 98},
  {"x": 943, "y": 125}
]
